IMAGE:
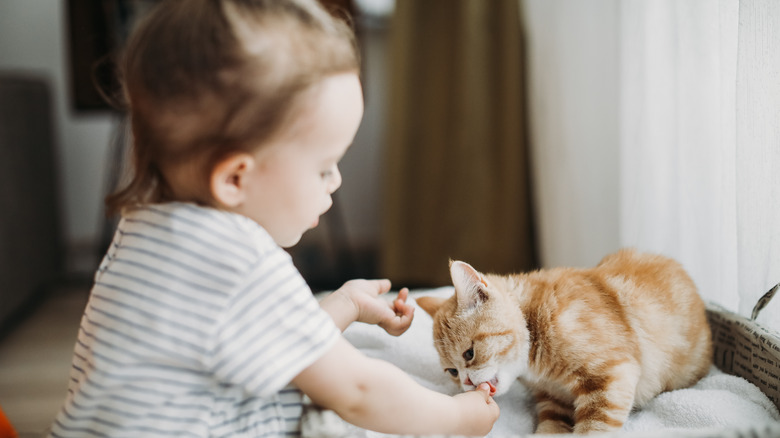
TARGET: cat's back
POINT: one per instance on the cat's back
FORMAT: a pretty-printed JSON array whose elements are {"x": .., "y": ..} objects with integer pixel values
[
  {"x": 626, "y": 283},
  {"x": 668, "y": 317},
  {"x": 632, "y": 304},
  {"x": 653, "y": 284}
]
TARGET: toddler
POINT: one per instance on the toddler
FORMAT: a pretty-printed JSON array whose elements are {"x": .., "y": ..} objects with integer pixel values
[{"x": 198, "y": 323}]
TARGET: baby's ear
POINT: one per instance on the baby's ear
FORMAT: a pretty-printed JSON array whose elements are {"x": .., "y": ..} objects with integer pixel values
[
  {"x": 228, "y": 179},
  {"x": 430, "y": 304},
  {"x": 470, "y": 285}
]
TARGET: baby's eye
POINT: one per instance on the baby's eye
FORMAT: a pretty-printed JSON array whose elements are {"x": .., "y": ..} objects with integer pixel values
[
  {"x": 453, "y": 372},
  {"x": 468, "y": 354}
]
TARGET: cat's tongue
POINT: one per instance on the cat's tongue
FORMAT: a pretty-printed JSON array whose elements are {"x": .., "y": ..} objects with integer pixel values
[{"x": 492, "y": 388}]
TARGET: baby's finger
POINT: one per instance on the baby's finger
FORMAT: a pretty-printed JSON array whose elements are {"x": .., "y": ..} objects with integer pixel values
[
  {"x": 403, "y": 294},
  {"x": 406, "y": 315},
  {"x": 400, "y": 306},
  {"x": 382, "y": 286},
  {"x": 485, "y": 389},
  {"x": 399, "y": 323}
]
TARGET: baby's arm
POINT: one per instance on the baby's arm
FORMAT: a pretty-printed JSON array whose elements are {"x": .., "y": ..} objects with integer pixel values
[{"x": 376, "y": 395}]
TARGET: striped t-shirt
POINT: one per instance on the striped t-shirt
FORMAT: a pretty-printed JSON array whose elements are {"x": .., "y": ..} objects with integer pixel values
[{"x": 195, "y": 326}]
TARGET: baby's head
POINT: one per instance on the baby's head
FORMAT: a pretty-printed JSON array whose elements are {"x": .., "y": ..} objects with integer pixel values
[{"x": 208, "y": 81}]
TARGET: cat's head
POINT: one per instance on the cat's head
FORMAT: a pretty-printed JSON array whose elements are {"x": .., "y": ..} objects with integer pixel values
[{"x": 479, "y": 332}]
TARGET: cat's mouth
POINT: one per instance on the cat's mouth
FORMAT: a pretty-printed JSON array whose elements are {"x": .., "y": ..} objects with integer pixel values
[
  {"x": 492, "y": 383},
  {"x": 470, "y": 384}
]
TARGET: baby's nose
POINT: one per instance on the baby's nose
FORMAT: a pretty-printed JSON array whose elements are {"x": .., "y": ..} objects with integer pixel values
[{"x": 335, "y": 181}]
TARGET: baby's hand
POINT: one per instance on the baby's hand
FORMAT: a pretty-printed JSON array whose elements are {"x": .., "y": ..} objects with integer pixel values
[
  {"x": 477, "y": 411},
  {"x": 404, "y": 313},
  {"x": 371, "y": 308}
]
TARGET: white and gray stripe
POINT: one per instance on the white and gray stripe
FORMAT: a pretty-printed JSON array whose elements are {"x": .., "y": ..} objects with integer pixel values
[{"x": 196, "y": 323}]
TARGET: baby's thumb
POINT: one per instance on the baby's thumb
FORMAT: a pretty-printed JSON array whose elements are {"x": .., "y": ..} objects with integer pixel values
[
  {"x": 492, "y": 406},
  {"x": 484, "y": 388},
  {"x": 382, "y": 286}
]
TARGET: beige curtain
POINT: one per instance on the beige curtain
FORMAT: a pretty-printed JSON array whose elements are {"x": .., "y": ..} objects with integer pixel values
[{"x": 457, "y": 175}]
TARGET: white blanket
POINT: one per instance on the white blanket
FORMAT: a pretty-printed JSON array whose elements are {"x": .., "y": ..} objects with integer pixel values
[{"x": 719, "y": 401}]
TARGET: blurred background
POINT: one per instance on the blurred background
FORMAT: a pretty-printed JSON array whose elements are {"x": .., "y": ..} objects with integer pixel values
[{"x": 511, "y": 134}]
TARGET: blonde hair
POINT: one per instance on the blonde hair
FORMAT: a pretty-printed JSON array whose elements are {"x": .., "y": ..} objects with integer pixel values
[{"x": 209, "y": 78}]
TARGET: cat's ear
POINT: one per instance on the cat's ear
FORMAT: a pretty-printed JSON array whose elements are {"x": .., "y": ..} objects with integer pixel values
[
  {"x": 470, "y": 285},
  {"x": 430, "y": 304}
]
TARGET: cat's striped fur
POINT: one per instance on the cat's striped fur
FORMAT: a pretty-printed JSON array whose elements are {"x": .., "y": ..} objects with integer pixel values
[{"x": 591, "y": 343}]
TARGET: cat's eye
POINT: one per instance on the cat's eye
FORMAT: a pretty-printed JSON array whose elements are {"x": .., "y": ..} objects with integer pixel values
[
  {"x": 468, "y": 354},
  {"x": 453, "y": 372}
]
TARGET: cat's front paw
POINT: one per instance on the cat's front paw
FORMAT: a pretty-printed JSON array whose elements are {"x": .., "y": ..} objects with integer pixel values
[
  {"x": 553, "y": 415},
  {"x": 553, "y": 426}
]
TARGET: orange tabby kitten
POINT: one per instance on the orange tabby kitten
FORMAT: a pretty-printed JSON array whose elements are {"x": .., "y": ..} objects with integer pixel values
[{"x": 591, "y": 343}]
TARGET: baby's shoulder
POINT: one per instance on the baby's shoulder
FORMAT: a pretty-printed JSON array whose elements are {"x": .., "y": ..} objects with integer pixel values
[{"x": 192, "y": 231}]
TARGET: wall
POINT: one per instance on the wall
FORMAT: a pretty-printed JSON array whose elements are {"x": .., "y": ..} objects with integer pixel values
[
  {"x": 344, "y": 245},
  {"x": 573, "y": 84},
  {"x": 33, "y": 39},
  {"x": 361, "y": 167},
  {"x": 571, "y": 76}
]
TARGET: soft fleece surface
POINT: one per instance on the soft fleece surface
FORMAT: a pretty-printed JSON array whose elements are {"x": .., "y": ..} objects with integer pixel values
[{"x": 719, "y": 401}]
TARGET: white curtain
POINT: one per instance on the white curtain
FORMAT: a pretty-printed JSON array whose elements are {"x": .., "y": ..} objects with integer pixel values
[
  {"x": 700, "y": 141},
  {"x": 697, "y": 138},
  {"x": 572, "y": 70}
]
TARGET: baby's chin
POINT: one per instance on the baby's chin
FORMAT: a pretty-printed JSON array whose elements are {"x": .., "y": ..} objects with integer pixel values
[
  {"x": 289, "y": 241},
  {"x": 292, "y": 240}
]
